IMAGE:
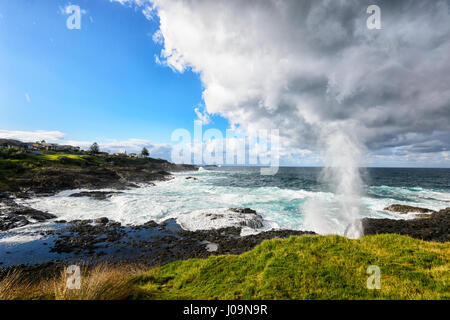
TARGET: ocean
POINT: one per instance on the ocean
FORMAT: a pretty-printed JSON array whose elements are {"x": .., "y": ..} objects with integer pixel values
[
  {"x": 200, "y": 200},
  {"x": 280, "y": 199}
]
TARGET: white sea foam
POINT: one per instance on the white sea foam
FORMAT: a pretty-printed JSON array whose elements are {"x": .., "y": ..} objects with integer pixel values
[{"x": 189, "y": 201}]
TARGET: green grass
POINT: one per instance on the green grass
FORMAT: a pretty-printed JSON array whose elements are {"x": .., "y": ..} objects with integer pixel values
[
  {"x": 16, "y": 163},
  {"x": 59, "y": 156},
  {"x": 306, "y": 267},
  {"x": 318, "y": 267}
]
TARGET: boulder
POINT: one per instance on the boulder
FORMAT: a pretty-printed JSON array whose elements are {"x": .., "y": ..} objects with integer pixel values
[
  {"x": 102, "y": 220},
  {"x": 11, "y": 221},
  {"x": 234, "y": 217},
  {"x": 96, "y": 195},
  {"x": 242, "y": 210},
  {"x": 401, "y": 208}
]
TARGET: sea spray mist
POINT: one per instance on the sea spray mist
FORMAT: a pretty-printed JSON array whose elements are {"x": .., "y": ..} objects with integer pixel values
[{"x": 342, "y": 155}]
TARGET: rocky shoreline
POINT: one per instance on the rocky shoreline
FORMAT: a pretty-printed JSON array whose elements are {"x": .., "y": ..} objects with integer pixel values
[
  {"x": 153, "y": 244},
  {"x": 431, "y": 226},
  {"x": 73, "y": 175},
  {"x": 47, "y": 181}
]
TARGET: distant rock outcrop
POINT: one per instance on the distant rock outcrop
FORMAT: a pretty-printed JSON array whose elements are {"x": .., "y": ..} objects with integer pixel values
[
  {"x": 436, "y": 227},
  {"x": 401, "y": 208},
  {"x": 96, "y": 195}
]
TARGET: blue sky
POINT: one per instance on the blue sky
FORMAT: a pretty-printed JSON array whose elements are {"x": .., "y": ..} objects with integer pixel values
[
  {"x": 102, "y": 83},
  {"x": 99, "y": 82}
]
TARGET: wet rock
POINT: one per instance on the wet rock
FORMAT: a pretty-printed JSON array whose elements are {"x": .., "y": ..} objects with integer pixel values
[
  {"x": 150, "y": 224},
  {"x": 11, "y": 221},
  {"x": 242, "y": 210},
  {"x": 401, "y": 208},
  {"x": 102, "y": 220},
  {"x": 249, "y": 217},
  {"x": 32, "y": 213},
  {"x": 433, "y": 228},
  {"x": 151, "y": 244},
  {"x": 191, "y": 178},
  {"x": 13, "y": 215},
  {"x": 213, "y": 220},
  {"x": 96, "y": 195}
]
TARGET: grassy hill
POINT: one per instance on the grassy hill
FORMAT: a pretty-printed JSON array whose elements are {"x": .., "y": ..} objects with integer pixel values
[
  {"x": 318, "y": 267},
  {"x": 305, "y": 267},
  {"x": 16, "y": 165}
]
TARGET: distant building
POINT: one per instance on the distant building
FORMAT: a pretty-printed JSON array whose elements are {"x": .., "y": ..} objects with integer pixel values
[
  {"x": 9, "y": 143},
  {"x": 49, "y": 146},
  {"x": 28, "y": 145},
  {"x": 66, "y": 148}
]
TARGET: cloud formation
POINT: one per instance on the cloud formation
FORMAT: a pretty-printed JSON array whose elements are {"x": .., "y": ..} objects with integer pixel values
[
  {"x": 31, "y": 136},
  {"x": 307, "y": 67}
]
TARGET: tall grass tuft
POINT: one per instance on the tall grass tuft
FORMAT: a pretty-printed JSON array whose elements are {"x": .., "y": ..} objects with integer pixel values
[{"x": 99, "y": 282}]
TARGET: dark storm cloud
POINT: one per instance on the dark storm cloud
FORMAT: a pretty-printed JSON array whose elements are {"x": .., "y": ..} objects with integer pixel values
[{"x": 309, "y": 67}]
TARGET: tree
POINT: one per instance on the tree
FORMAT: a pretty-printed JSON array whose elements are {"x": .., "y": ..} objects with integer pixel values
[
  {"x": 145, "y": 152},
  {"x": 94, "y": 148}
]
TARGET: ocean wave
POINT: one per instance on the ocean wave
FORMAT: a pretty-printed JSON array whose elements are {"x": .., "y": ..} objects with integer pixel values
[{"x": 185, "y": 199}]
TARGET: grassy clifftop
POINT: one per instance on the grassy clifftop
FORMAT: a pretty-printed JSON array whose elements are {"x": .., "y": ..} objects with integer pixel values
[
  {"x": 318, "y": 267},
  {"x": 300, "y": 267},
  {"x": 19, "y": 169}
]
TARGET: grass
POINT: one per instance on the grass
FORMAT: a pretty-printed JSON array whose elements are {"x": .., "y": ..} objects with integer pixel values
[
  {"x": 319, "y": 267},
  {"x": 101, "y": 282},
  {"x": 59, "y": 156},
  {"x": 15, "y": 163},
  {"x": 307, "y": 267}
]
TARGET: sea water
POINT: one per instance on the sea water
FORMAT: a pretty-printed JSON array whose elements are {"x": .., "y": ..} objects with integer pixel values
[{"x": 281, "y": 199}]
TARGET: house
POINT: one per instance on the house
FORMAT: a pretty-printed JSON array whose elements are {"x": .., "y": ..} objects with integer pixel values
[
  {"x": 10, "y": 143},
  {"x": 37, "y": 146},
  {"x": 49, "y": 146},
  {"x": 66, "y": 148},
  {"x": 132, "y": 155}
]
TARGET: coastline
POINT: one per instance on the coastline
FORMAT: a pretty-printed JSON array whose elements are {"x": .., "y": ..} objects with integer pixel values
[
  {"x": 123, "y": 255},
  {"x": 151, "y": 244}
]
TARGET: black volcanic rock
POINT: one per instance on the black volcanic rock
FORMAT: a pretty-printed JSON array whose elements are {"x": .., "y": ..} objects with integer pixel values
[
  {"x": 10, "y": 221},
  {"x": 433, "y": 228},
  {"x": 96, "y": 195},
  {"x": 242, "y": 210},
  {"x": 401, "y": 208},
  {"x": 13, "y": 215}
]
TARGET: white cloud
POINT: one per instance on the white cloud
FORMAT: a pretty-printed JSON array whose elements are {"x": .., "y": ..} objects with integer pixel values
[
  {"x": 31, "y": 136},
  {"x": 306, "y": 67},
  {"x": 27, "y": 97},
  {"x": 157, "y": 37},
  {"x": 202, "y": 115}
]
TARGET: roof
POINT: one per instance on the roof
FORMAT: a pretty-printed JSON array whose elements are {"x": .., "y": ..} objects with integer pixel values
[{"x": 11, "y": 142}]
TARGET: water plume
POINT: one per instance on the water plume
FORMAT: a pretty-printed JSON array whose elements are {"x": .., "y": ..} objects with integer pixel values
[{"x": 341, "y": 174}]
